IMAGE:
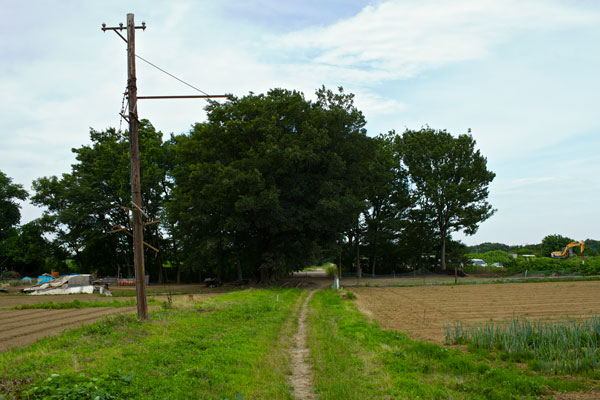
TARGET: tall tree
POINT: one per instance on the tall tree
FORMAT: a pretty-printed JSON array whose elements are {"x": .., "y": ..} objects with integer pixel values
[
  {"x": 267, "y": 180},
  {"x": 10, "y": 210},
  {"x": 388, "y": 202},
  {"x": 82, "y": 205},
  {"x": 28, "y": 252},
  {"x": 451, "y": 177},
  {"x": 555, "y": 242}
]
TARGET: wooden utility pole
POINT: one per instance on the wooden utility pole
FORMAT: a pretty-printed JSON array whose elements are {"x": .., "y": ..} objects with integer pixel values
[
  {"x": 136, "y": 192},
  {"x": 134, "y": 149}
]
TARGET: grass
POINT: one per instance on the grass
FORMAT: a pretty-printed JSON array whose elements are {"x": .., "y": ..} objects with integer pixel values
[
  {"x": 562, "y": 346},
  {"x": 355, "y": 359},
  {"x": 11, "y": 282},
  {"x": 318, "y": 267},
  {"x": 233, "y": 346},
  {"x": 81, "y": 304}
]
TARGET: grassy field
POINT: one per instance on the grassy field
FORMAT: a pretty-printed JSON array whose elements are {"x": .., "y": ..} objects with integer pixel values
[
  {"x": 230, "y": 347},
  {"x": 237, "y": 346},
  {"x": 355, "y": 359}
]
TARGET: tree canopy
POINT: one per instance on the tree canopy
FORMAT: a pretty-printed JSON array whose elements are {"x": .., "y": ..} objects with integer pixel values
[
  {"x": 270, "y": 180},
  {"x": 268, "y": 184},
  {"x": 81, "y": 206},
  {"x": 10, "y": 210},
  {"x": 450, "y": 178}
]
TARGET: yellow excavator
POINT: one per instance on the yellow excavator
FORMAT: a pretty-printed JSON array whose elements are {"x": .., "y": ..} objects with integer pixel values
[{"x": 567, "y": 252}]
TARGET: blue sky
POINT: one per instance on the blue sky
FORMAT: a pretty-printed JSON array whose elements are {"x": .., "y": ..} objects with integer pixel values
[{"x": 522, "y": 75}]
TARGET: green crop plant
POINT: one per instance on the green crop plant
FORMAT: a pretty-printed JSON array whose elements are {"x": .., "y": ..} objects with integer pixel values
[{"x": 563, "y": 346}]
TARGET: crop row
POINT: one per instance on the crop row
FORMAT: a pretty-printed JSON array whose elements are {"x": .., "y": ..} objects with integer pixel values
[{"x": 566, "y": 345}]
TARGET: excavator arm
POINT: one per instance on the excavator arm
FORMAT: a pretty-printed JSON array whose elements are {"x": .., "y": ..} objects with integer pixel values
[{"x": 565, "y": 252}]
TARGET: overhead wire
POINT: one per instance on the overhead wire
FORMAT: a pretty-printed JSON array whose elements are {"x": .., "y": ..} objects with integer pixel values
[{"x": 171, "y": 75}]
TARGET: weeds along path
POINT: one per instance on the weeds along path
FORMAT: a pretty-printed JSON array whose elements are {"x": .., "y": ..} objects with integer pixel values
[{"x": 301, "y": 379}]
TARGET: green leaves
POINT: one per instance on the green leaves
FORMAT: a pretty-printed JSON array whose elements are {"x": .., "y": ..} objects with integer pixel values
[
  {"x": 450, "y": 178},
  {"x": 270, "y": 180},
  {"x": 80, "y": 387},
  {"x": 82, "y": 205},
  {"x": 10, "y": 212}
]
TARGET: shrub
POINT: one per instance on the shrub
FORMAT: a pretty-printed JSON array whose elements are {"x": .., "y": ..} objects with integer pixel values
[
  {"x": 494, "y": 256},
  {"x": 331, "y": 270}
]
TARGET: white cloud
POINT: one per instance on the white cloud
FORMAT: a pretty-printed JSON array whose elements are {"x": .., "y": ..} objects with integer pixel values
[
  {"x": 400, "y": 58},
  {"x": 399, "y": 39}
]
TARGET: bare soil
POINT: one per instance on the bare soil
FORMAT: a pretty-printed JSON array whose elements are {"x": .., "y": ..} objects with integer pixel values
[
  {"x": 301, "y": 378},
  {"x": 23, "y": 327},
  {"x": 422, "y": 312},
  {"x": 415, "y": 280}
]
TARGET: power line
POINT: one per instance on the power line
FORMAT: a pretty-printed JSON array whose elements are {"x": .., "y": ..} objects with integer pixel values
[{"x": 171, "y": 75}]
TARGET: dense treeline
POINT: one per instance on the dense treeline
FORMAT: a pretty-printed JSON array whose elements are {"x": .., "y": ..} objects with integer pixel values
[
  {"x": 269, "y": 184},
  {"x": 548, "y": 244}
]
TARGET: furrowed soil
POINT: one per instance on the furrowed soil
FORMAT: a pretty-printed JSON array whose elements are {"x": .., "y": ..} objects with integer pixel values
[
  {"x": 422, "y": 312},
  {"x": 22, "y": 327},
  {"x": 418, "y": 280}
]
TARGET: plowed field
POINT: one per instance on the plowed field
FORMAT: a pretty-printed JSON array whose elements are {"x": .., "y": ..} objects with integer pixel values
[
  {"x": 23, "y": 327},
  {"x": 422, "y": 312}
]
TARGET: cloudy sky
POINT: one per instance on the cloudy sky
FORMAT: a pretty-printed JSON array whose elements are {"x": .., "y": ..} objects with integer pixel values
[{"x": 521, "y": 74}]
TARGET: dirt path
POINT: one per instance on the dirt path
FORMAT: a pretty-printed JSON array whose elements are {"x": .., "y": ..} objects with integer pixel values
[{"x": 301, "y": 378}]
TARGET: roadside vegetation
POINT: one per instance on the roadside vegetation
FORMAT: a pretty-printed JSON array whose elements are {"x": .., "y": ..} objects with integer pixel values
[
  {"x": 355, "y": 359},
  {"x": 535, "y": 258},
  {"x": 543, "y": 265},
  {"x": 233, "y": 346}
]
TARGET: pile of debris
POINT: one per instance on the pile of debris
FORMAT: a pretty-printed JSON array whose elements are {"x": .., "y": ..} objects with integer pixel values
[{"x": 68, "y": 284}]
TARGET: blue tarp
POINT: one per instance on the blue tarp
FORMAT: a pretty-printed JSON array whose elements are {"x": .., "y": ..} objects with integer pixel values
[
  {"x": 44, "y": 278},
  {"x": 68, "y": 275},
  {"x": 27, "y": 280}
]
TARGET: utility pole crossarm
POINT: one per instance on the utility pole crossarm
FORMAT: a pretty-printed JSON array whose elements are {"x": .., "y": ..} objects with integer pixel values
[{"x": 121, "y": 27}]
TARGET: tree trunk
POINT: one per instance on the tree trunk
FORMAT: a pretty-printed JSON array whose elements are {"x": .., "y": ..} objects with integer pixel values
[
  {"x": 178, "y": 278},
  {"x": 220, "y": 261},
  {"x": 443, "y": 250},
  {"x": 161, "y": 269},
  {"x": 358, "y": 255},
  {"x": 374, "y": 261},
  {"x": 264, "y": 275},
  {"x": 340, "y": 258},
  {"x": 129, "y": 273},
  {"x": 239, "y": 270}
]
